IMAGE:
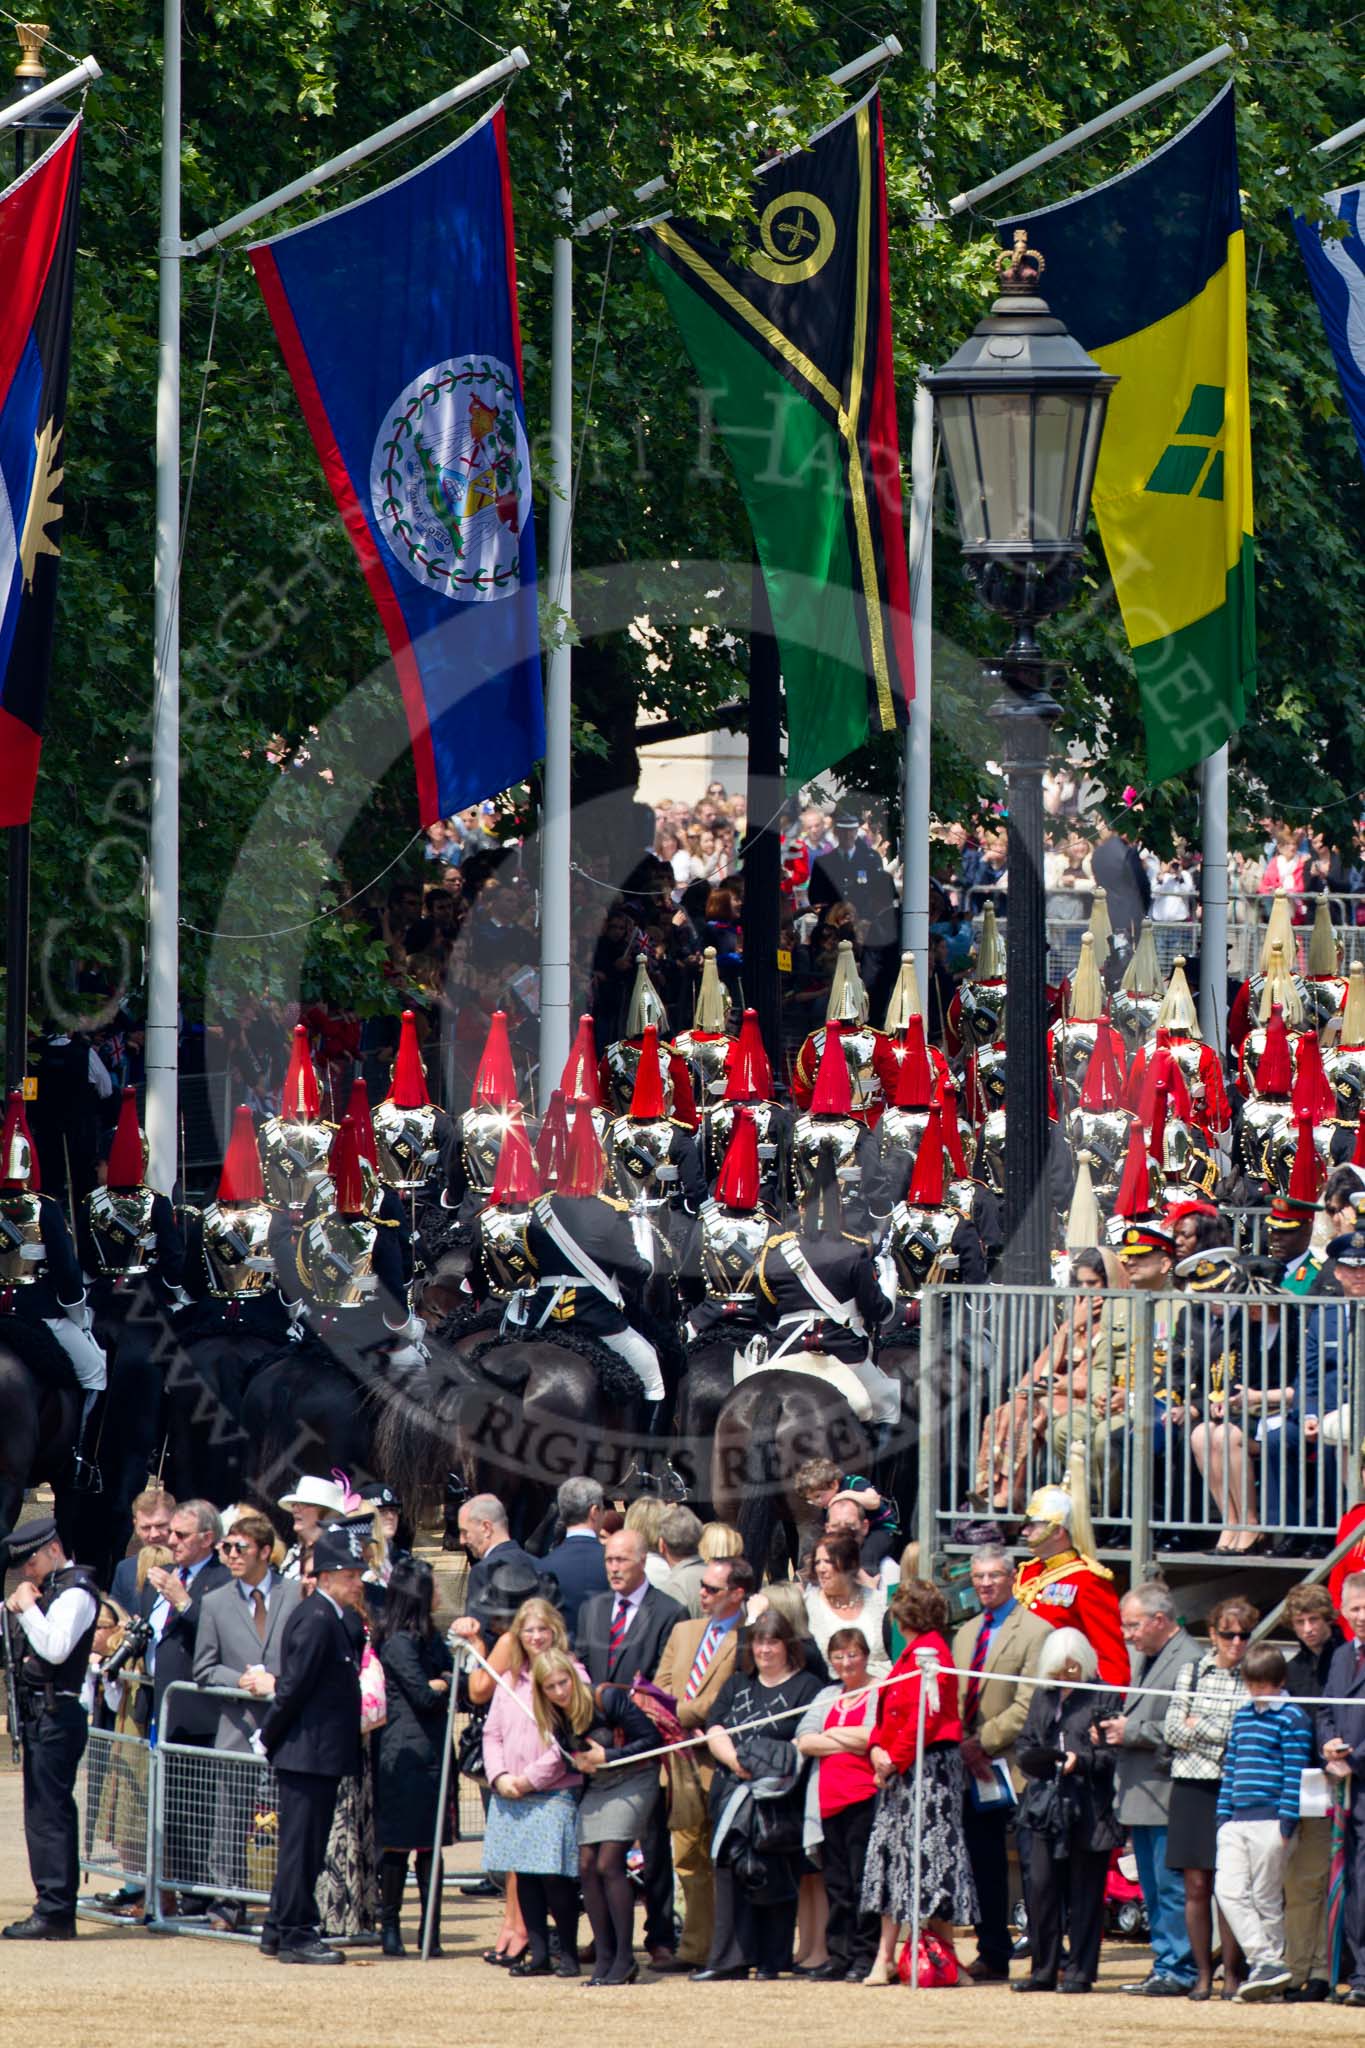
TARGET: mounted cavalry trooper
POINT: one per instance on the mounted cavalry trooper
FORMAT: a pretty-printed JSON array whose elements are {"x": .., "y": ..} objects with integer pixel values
[
  {"x": 133, "y": 1243},
  {"x": 587, "y": 1263},
  {"x": 825, "y": 1295},
  {"x": 350, "y": 1269},
  {"x": 413, "y": 1136},
  {"x": 40, "y": 1275},
  {"x": 653, "y": 1159},
  {"x": 479, "y": 1133},
  {"x": 870, "y": 1054},
  {"x": 830, "y": 1134},
  {"x": 749, "y": 1084},
  {"x": 707, "y": 1046},
  {"x": 728, "y": 1244},
  {"x": 500, "y": 1233},
  {"x": 622, "y": 1058},
  {"x": 295, "y": 1143}
]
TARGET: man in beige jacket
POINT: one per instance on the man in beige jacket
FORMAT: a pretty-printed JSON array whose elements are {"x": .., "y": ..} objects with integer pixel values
[
  {"x": 698, "y": 1658},
  {"x": 993, "y": 1651}
]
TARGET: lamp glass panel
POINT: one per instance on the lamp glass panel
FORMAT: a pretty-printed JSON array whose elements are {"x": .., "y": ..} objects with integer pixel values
[
  {"x": 1090, "y": 455},
  {"x": 1004, "y": 439},
  {"x": 1059, "y": 435},
  {"x": 959, "y": 447}
]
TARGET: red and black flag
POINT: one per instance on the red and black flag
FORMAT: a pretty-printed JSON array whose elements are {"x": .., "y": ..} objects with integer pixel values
[
  {"x": 792, "y": 343},
  {"x": 38, "y": 221}
]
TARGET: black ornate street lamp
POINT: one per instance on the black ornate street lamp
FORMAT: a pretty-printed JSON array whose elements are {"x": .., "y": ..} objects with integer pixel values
[{"x": 1021, "y": 407}]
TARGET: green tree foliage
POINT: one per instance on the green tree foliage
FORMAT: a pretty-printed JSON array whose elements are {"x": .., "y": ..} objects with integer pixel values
[{"x": 289, "y": 711}]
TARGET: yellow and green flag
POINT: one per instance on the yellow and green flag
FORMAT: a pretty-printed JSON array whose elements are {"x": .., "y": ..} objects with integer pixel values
[{"x": 1149, "y": 273}]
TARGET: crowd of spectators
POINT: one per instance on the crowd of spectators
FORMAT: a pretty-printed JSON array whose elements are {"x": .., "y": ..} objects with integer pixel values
[{"x": 785, "y": 1838}]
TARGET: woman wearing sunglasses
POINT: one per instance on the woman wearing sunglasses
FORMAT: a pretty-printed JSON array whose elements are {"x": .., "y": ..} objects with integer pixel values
[{"x": 1198, "y": 1719}]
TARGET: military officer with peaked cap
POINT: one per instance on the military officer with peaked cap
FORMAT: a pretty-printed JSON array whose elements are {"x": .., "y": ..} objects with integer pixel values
[{"x": 50, "y": 1628}]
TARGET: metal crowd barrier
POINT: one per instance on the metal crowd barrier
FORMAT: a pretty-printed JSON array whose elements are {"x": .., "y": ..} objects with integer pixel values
[
  {"x": 171, "y": 1818},
  {"x": 1197, "y": 1415}
]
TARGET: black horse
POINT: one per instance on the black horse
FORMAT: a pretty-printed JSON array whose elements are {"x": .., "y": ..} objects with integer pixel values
[
  {"x": 771, "y": 1424},
  {"x": 40, "y": 1412}
]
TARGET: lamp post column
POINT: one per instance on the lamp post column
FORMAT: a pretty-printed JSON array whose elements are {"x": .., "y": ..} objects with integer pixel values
[{"x": 1026, "y": 718}]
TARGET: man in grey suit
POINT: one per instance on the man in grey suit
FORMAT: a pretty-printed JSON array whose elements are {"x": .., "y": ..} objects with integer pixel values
[
  {"x": 679, "y": 1535},
  {"x": 241, "y": 1630},
  {"x": 1158, "y": 1649}
]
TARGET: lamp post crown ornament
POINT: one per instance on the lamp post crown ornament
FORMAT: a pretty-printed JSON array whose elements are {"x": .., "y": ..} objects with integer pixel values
[
  {"x": 32, "y": 37},
  {"x": 1019, "y": 269}
]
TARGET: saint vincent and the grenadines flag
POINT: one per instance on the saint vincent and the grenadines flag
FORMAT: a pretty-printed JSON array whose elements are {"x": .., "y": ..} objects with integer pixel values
[
  {"x": 397, "y": 318},
  {"x": 793, "y": 348},
  {"x": 38, "y": 222},
  {"x": 1149, "y": 273}
]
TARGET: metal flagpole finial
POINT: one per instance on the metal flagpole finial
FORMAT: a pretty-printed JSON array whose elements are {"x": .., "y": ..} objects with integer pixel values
[{"x": 32, "y": 36}]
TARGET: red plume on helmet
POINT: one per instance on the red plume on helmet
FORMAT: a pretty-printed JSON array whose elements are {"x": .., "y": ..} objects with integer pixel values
[
  {"x": 495, "y": 1081},
  {"x": 1102, "y": 1088},
  {"x": 748, "y": 1076},
  {"x": 737, "y": 1183},
  {"x": 926, "y": 1182},
  {"x": 125, "y": 1169},
  {"x": 1156, "y": 1135},
  {"x": 914, "y": 1080},
  {"x": 300, "y": 1102},
  {"x": 1134, "y": 1197},
  {"x": 1275, "y": 1068},
  {"x": 584, "y": 1165},
  {"x": 647, "y": 1096},
  {"x": 343, "y": 1164},
  {"x": 684, "y": 1101},
  {"x": 1313, "y": 1093},
  {"x": 1306, "y": 1175},
  {"x": 1164, "y": 1072},
  {"x": 552, "y": 1146},
  {"x": 516, "y": 1183},
  {"x": 16, "y": 1125},
  {"x": 833, "y": 1092},
  {"x": 952, "y": 1132},
  {"x": 358, "y": 1110},
  {"x": 240, "y": 1179},
  {"x": 409, "y": 1090},
  {"x": 579, "y": 1079}
]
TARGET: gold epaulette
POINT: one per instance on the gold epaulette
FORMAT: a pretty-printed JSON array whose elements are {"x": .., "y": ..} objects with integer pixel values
[{"x": 612, "y": 1203}]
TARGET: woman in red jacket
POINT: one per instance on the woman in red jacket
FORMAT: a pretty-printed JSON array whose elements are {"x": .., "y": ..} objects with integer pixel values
[{"x": 947, "y": 1895}]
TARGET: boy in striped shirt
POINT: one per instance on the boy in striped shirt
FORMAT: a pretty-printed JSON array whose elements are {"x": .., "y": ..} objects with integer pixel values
[{"x": 1269, "y": 1748}]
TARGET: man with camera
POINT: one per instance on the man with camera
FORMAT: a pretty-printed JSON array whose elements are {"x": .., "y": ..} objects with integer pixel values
[{"x": 49, "y": 1630}]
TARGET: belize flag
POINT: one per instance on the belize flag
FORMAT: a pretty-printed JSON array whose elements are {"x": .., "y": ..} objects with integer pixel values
[
  {"x": 37, "y": 276},
  {"x": 397, "y": 318}
]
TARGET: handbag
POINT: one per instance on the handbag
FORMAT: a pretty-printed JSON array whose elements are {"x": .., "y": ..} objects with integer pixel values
[
  {"x": 469, "y": 1749},
  {"x": 374, "y": 1702},
  {"x": 938, "y": 1965}
]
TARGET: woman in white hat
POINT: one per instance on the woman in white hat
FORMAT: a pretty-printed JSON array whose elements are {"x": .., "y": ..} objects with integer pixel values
[{"x": 313, "y": 1502}]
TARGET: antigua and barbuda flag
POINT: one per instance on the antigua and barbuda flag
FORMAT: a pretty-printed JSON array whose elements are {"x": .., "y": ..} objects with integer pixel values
[
  {"x": 397, "y": 318},
  {"x": 38, "y": 220},
  {"x": 1149, "y": 273},
  {"x": 1336, "y": 271},
  {"x": 791, "y": 338}
]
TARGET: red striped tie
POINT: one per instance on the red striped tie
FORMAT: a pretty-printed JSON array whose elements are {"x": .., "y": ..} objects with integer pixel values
[
  {"x": 701, "y": 1663},
  {"x": 618, "y": 1628},
  {"x": 971, "y": 1699}
]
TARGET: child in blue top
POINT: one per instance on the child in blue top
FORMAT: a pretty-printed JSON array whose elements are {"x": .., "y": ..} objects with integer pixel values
[{"x": 1269, "y": 1748}]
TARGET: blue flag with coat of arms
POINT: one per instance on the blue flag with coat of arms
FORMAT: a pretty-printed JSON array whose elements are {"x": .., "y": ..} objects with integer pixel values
[
  {"x": 397, "y": 319},
  {"x": 1336, "y": 271}
]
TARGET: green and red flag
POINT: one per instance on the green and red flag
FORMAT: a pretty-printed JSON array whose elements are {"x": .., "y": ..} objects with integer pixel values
[{"x": 792, "y": 341}]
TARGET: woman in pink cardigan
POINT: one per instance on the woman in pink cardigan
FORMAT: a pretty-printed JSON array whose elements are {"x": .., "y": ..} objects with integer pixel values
[{"x": 532, "y": 1826}]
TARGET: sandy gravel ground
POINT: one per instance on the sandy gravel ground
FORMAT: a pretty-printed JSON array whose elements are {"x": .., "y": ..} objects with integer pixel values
[{"x": 129, "y": 1986}]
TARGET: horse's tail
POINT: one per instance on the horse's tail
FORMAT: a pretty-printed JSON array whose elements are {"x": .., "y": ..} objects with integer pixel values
[{"x": 749, "y": 1448}]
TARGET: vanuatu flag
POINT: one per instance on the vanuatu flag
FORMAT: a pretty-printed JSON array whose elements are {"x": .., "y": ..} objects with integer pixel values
[
  {"x": 1149, "y": 273},
  {"x": 37, "y": 274},
  {"x": 397, "y": 318},
  {"x": 792, "y": 343}
]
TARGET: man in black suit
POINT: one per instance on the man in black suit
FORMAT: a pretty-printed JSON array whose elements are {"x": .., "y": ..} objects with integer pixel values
[
  {"x": 577, "y": 1562},
  {"x": 171, "y": 1601},
  {"x": 1341, "y": 1738},
  {"x": 312, "y": 1737},
  {"x": 488, "y": 1541},
  {"x": 620, "y": 1637}
]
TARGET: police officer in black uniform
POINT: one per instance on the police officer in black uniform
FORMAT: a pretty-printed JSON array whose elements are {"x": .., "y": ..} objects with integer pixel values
[
  {"x": 312, "y": 1737},
  {"x": 50, "y": 1627},
  {"x": 854, "y": 872}
]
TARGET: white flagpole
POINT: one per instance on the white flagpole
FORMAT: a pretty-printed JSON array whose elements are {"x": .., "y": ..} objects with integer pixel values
[
  {"x": 1213, "y": 938},
  {"x": 556, "y": 849},
  {"x": 163, "y": 891},
  {"x": 85, "y": 73},
  {"x": 1089, "y": 129},
  {"x": 916, "y": 770}
]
